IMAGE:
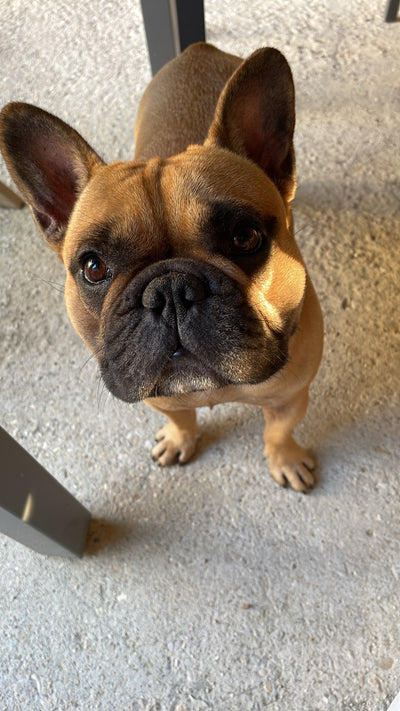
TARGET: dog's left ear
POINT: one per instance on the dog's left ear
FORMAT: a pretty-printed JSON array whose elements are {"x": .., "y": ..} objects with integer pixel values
[
  {"x": 49, "y": 162},
  {"x": 255, "y": 117}
]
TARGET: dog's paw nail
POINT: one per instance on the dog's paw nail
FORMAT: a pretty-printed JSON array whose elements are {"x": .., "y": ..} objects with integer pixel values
[
  {"x": 292, "y": 467},
  {"x": 173, "y": 446}
]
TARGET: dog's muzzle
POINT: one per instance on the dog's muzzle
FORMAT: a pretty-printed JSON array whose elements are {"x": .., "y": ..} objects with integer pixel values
[{"x": 180, "y": 326}]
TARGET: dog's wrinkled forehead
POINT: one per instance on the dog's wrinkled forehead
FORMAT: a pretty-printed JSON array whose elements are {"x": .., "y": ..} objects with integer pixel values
[{"x": 167, "y": 197}]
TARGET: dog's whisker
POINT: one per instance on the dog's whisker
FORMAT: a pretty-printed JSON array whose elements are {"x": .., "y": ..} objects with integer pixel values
[
  {"x": 53, "y": 284},
  {"x": 92, "y": 356},
  {"x": 102, "y": 394},
  {"x": 303, "y": 227},
  {"x": 87, "y": 360}
]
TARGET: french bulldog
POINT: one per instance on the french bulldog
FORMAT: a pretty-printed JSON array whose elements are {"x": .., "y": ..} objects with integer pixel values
[{"x": 182, "y": 272}]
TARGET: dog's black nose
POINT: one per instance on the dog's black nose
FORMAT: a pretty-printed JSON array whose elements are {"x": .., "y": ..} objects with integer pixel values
[{"x": 174, "y": 294}]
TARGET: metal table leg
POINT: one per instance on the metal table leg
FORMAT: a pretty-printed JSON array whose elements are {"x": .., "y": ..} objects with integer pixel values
[
  {"x": 392, "y": 11},
  {"x": 34, "y": 508},
  {"x": 171, "y": 25}
]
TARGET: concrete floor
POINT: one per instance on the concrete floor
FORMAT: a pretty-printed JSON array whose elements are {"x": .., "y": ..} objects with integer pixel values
[{"x": 207, "y": 586}]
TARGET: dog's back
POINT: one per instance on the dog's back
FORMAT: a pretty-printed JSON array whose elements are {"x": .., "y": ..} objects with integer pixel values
[{"x": 177, "y": 107}]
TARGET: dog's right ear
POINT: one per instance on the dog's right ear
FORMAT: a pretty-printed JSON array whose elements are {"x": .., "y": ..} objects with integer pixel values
[{"x": 49, "y": 162}]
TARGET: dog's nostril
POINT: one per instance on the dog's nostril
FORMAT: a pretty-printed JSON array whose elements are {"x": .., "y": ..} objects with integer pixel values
[
  {"x": 153, "y": 299},
  {"x": 190, "y": 293}
]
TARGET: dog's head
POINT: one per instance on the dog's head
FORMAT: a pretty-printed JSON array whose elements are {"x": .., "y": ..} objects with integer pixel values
[{"x": 182, "y": 273}]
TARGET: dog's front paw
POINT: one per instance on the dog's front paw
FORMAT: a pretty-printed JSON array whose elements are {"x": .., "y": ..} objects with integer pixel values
[
  {"x": 173, "y": 445},
  {"x": 292, "y": 466}
]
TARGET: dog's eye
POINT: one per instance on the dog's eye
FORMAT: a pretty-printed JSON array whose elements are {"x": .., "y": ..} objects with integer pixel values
[
  {"x": 95, "y": 271},
  {"x": 247, "y": 240}
]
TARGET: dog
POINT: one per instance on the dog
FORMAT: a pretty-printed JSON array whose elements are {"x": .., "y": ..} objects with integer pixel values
[{"x": 182, "y": 272}]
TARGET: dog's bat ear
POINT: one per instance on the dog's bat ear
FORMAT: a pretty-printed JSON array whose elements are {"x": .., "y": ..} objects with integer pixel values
[
  {"x": 255, "y": 116},
  {"x": 49, "y": 162}
]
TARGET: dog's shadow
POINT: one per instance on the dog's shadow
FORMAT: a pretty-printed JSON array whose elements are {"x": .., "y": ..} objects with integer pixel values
[{"x": 225, "y": 424}]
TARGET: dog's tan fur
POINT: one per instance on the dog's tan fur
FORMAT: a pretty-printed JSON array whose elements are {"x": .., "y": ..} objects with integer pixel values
[{"x": 199, "y": 140}]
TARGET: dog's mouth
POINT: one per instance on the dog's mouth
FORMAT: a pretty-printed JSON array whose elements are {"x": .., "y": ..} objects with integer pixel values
[
  {"x": 181, "y": 327},
  {"x": 184, "y": 374},
  {"x": 162, "y": 375}
]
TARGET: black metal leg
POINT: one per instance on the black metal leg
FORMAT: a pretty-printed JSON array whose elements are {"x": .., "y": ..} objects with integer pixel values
[
  {"x": 392, "y": 10},
  {"x": 171, "y": 25},
  {"x": 34, "y": 508}
]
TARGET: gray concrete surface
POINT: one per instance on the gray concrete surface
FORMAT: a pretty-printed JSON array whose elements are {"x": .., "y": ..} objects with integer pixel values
[{"x": 208, "y": 586}]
